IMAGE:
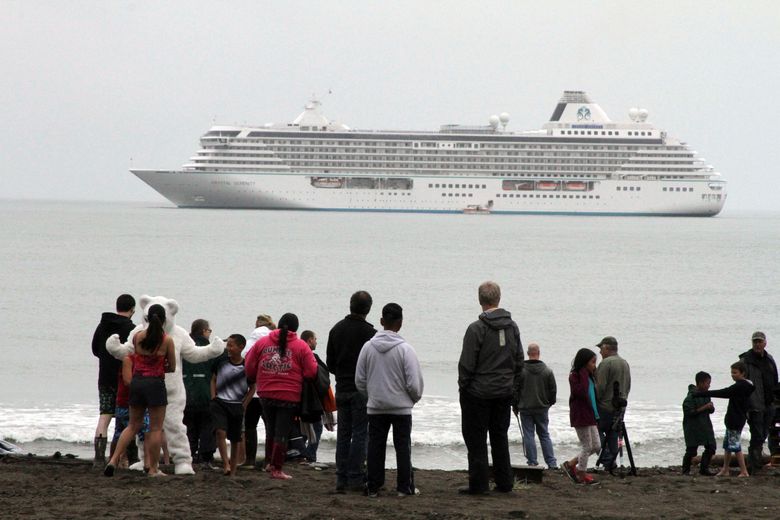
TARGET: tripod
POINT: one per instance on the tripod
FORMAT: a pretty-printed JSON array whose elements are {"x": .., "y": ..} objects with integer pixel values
[{"x": 619, "y": 427}]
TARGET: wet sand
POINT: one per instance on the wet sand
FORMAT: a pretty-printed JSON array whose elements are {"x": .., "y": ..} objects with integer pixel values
[{"x": 44, "y": 487}]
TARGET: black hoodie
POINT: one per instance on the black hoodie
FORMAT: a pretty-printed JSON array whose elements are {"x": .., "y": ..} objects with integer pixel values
[
  {"x": 492, "y": 357},
  {"x": 110, "y": 324}
]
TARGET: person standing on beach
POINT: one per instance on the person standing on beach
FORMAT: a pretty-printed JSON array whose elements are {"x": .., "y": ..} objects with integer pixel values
[
  {"x": 489, "y": 371},
  {"x": 197, "y": 384},
  {"x": 314, "y": 431},
  {"x": 537, "y": 394},
  {"x": 345, "y": 341},
  {"x": 612, "y": 369},
  {"x": 583, "y": 415},
  {"x": 109, "y": 369},
  {"x": 738, "y": 395},
  {"x": 264, "y": 324},
  {"x": 762, "y": 371},
  {"x": 388, "y": 375},
  {"x": 278, "y": 364},
  {"x": 697, "y": 426}
]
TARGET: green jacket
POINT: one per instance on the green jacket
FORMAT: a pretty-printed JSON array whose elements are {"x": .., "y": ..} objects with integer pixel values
[
  {"x": 614, "y": 368},
  {"x": 197, "y": 380},
  {"x": 697, "y": 427}
]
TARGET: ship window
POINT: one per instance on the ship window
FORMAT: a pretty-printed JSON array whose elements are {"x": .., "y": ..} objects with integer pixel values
[
  {"x": 617, "y": 188},
  {"x": 450, "y": 186},
  {"x": 449, "y": 194},
  {"x": 631, "y": 188},
  {"x": 443, "y": 194},
  {"x": 617, "y": 133},
  {"x": 664, "y": 189},
  {"x": 638, "y": 188},
  {"x": 471, "y": 194},
  {"x": 483, "y": 186},
  {"x": 609, "y": 133}
]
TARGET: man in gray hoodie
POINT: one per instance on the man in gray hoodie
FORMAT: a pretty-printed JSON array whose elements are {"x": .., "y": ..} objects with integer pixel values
[
  {"x": 388, "y": 374},
  {"x": 537, "y": 394}
]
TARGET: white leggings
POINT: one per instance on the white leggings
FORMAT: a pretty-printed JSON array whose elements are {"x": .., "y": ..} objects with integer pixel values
[{"x": 591, "y": 444}]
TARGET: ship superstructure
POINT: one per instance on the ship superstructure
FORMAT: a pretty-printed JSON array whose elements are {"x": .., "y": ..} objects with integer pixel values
[{"x": 579, "y": 162}]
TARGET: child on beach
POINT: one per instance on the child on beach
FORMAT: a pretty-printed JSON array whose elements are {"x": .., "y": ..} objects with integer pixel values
[
  {"x": 145, "y": 372},
  {"x": 583, "y": 415},
  {"x": 230, "y": 396},
  {"x": 697, "y": 426},
  {"x": 738, "y": 395}
]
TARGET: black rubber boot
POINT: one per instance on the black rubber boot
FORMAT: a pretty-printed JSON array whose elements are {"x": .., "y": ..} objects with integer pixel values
[{"x": 100, "y": 452}]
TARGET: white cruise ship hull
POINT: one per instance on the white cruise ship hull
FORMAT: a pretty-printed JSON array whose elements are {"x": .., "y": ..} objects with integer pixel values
[{"x": 286, "y": 190}]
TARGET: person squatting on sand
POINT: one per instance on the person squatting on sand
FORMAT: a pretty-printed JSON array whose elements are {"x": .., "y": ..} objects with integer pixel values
[
  {"x": 345, "y": 341},
  {"x": 388, "y": 375},
  {"x": 538, "y": 392},
  {"x": 109, "y": 369},
  {"x": 762, "y": 372},
  {"x": 697, "y": 426},
  {"x": 278, "y": 364},
  {"x": 738, "y": 395},
  {"x": 145, "y": 371},
  {"x": 583, "y": 415},
  {"x": 230, "y": 395},
  {"x": 489, "y": 372},
  {"x": 612, "y": 370},
  {"x": 197, "y": 384},
  {"x": 264, "y": 324}
]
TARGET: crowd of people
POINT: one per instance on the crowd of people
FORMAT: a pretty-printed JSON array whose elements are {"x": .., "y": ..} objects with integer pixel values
[{"x": 276, "y": 375}]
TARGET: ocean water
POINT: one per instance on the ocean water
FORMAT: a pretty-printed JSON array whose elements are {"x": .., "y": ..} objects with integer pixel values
[{"x": 680, "y": 294}]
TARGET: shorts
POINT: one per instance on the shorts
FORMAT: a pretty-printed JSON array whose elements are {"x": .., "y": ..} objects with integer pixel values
[
  {"x": 228, "y": 417},
  {"x": 732, "y": 441},
  {"x": 147, "y": 392},
  {"x": 122, "y": 421},
  {"x": 107, "y": 397}
]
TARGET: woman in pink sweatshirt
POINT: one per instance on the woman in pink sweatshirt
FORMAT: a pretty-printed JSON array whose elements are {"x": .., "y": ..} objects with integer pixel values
[{"x": 278, "y": 364}]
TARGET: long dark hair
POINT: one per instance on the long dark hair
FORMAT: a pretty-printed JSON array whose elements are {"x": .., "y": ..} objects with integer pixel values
[
  {"x": 154, "y": 332},
  {"x": 583, "y": 357},
  {"x": 287, "y": 323}
]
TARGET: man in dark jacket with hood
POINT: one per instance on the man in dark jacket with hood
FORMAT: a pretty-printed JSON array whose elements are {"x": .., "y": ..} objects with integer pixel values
[
  {"x": 489, "y": 380},
  {"x": 538, "y": 392},
  {"x": 345, "y": 341},
  {"x": 109, "y": 367},
  {"x": 762, "y": 371}
]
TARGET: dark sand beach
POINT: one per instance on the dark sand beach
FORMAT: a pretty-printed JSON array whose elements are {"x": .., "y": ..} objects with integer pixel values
[{"x": 43, "y": 487}]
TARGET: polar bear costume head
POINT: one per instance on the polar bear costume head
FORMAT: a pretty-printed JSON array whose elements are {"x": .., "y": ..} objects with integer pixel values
[{"x": 175, "y": 433}]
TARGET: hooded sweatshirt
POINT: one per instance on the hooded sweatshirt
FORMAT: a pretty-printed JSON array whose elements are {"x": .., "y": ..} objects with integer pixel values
[
  {"x": 110, "y": 324},
  {"x": 388, "y": 372},
  {"x": 280, "y": 377},
  {"x": 537, "y": 388},
  {"x": 492, "y": 357}
]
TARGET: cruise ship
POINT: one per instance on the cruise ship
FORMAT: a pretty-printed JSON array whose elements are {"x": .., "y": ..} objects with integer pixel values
[{"x": 580, "y": 162}]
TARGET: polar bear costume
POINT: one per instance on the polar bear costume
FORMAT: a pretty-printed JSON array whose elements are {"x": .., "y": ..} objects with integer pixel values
[{"x": 175, "y": 432}]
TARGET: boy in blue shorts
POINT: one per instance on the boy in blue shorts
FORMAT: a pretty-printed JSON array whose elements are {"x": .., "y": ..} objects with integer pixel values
[{"x": 738, "y": 395}]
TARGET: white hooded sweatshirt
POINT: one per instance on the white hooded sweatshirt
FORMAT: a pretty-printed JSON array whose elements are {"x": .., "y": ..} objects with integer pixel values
[{"x": 388, "y": 372}]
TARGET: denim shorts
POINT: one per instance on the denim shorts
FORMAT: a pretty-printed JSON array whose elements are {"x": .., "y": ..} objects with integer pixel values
[{"x": 732, "y": 441}]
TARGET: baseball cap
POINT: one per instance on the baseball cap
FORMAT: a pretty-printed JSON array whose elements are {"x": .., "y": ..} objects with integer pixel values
[
  {"x": 608, "y": 340},
  {"x": 758, "y": 335}
]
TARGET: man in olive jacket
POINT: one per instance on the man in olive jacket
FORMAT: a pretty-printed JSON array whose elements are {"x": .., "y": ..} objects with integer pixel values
[
  {"x": 612, "y": 369},
  {"x": 762, "y": 371},
  {"x": 489, "y": 380}
]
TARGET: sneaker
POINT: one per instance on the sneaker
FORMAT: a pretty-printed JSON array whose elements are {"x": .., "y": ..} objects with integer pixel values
[
  {"x": 586, "y": 480},
  {"x": 371, "y": 493},
  {"x": 414, "y": 493},
  {"x": 108, "y": 471},
  {"x": 569, "y": 471}
]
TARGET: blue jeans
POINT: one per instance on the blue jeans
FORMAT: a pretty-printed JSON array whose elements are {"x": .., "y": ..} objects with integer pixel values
[
  {"x": 537, "y": 419},
  {"x": 351, "y": 439},
  {"x": 310, "y": 452}
]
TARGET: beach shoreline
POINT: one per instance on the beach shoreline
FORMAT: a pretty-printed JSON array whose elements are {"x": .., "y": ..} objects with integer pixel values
[{"x": 48, "y": 487}]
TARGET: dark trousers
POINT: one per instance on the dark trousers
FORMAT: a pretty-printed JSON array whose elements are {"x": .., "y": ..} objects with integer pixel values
[
  {"x": 378, "y": 428},
  {"x": 759, "y": 423},
  {"x": 252, "y": 416},
  {"x": 351, "y": 439},
  {"x": 200, "y": 433},
  {"x": 481, "y": 418},
  {"x": 609, "y": 439},
  {"x": 706, "y": 457},
  {"x": 278, "y": 422}
]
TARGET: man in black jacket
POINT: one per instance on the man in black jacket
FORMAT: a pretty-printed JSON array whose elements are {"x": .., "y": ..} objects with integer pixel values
[
  {"x": 489, "y": 370},
  {"x": 109, "y": 367},
  {"x": 345, "y": 341},
  {"x": 762, "y": 371}
]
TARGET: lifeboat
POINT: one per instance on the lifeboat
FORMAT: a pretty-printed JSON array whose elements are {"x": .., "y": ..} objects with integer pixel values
[
  {"x": 548, "y": 185},
  {"x": 574, "y": 186}
]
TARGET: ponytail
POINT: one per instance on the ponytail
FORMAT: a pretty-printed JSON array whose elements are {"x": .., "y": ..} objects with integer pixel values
[
  {"x": 283, "y": 340},
  {"x": 154, "y": 332},
  {"x": 287, "y": 323}
]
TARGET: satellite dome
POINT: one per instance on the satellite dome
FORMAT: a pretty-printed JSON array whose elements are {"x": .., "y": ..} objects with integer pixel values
[
  {"x": 643, "y": 113},
  {"x": 633, "y": 112},
  {"x": 494, "y": 120},
  {"x": 504, "y": 118}
]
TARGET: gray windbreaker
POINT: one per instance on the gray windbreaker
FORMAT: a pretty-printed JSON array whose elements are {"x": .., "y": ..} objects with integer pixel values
[{"x": 388, "y": 372}]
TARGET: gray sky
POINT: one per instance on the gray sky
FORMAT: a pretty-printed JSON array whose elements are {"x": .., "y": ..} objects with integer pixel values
[{"x": 88, "y": 89}]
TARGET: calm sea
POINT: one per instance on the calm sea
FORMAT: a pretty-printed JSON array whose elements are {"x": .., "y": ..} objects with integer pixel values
[{"x": 680, "y": 294}]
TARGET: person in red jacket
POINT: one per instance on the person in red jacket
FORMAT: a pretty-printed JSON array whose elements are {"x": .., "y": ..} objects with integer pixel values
[
  {"x": 278, "y": 364},
  {"x": 583, "y": 415}
]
